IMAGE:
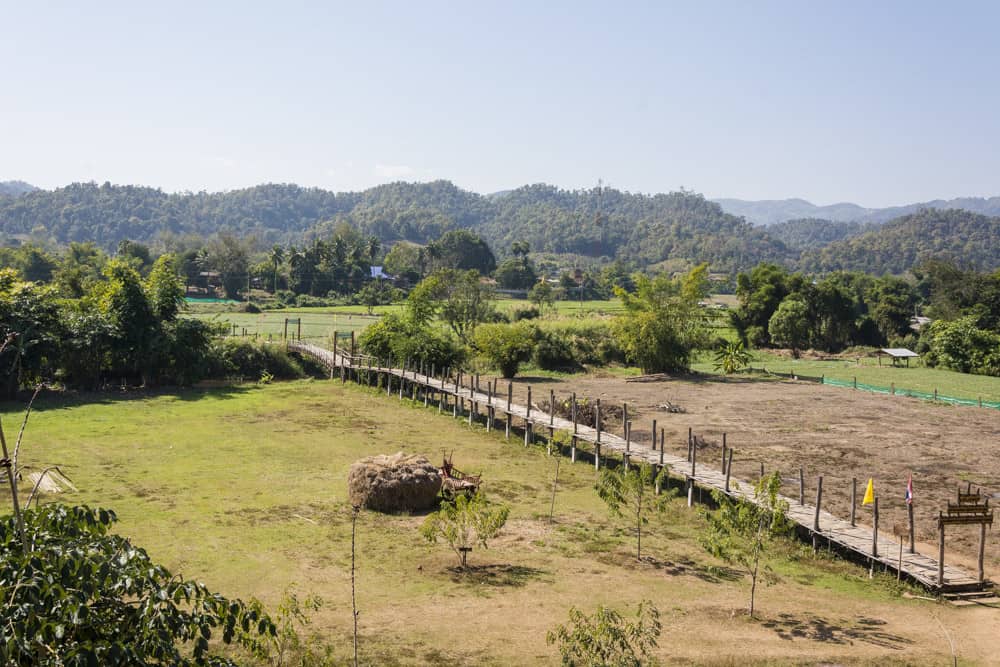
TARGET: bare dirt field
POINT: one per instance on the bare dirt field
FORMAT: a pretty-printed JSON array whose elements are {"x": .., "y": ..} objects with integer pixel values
[{"x": 830, "y": 431}]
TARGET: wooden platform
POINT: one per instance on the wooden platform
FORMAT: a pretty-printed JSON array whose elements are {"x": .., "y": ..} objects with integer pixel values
[{"x": 855, "y": 540}]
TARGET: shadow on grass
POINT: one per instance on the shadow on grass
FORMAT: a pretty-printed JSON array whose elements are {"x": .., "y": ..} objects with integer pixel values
[
  {"x": 685, "y": 567},
  {"x": 57, "y": 400},
  {"x": 818, "y": 629},
  {"x": 509, "y": 576}
]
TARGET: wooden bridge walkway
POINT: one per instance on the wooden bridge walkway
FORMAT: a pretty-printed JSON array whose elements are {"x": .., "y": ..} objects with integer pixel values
[{"x": 857, "y": 540}]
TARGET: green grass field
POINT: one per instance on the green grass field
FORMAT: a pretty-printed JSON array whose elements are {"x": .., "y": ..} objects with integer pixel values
[
  {"x": 867, "y": 371},
  {"x": 244, "y": 488}
]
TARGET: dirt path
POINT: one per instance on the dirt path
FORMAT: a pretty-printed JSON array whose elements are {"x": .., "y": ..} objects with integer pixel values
[{"x": 834, "y": 432}]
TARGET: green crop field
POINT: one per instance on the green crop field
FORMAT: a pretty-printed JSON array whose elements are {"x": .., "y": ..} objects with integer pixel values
[{"x": 244, "y": 488}]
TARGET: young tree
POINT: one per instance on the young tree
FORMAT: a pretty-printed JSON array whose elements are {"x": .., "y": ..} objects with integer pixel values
[
  {"x": 542, "y": 294},
  {"x": 607, "y": 639},
  {"x": 742, "y": 530},
  {"x": 276, "y": 257},
  {"x": 631, "y": 492},
  {"x": 467, "y": 521}
]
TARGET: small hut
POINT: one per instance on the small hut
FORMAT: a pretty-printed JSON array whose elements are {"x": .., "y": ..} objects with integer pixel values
[{"x": 896, "y": 354}]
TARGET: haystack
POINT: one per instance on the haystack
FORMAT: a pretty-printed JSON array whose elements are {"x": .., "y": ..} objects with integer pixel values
[{"x": 396, "y": 483}]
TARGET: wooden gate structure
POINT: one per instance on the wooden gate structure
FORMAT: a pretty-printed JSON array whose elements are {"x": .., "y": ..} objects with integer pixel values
[{"x": 863, "y": 543}]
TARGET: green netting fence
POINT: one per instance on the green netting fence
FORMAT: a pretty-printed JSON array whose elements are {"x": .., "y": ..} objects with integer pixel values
[
  {"x": 912, "y": 393},
  {"x": 889, "y": 391}
]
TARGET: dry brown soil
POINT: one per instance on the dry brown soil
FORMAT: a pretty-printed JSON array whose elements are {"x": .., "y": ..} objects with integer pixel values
[{"x": 834, "y": 432}]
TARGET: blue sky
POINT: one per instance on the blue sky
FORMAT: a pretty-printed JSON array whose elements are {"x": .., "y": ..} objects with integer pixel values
[{"x": 876, "y": 103}]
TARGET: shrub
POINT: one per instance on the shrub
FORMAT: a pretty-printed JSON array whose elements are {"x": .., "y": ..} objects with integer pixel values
[
  {"x": 505, "y": 346},
  {"x": 553, "y": 352},
  {"x": 398, "y": 338},
  {"x": 251, "y": 308},
  {"x": 244, "y": 358},
  {"x": 524, "y": 313}
]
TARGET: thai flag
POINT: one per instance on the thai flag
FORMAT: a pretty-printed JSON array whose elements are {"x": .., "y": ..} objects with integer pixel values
[{"x": 909, "y": 490}]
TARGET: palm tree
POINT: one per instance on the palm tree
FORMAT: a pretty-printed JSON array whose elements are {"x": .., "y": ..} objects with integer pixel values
[
  {"x": 277, "y": 256},
  {"x": 374, "y": 247}
]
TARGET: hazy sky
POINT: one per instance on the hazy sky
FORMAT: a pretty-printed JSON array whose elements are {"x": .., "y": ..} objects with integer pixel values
[{"x": 877, "y": 103}]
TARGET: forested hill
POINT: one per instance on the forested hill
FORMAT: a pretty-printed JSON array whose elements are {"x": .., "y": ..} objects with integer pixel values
[
  {"x": 15, "y": 188},
  {"x": 970, "y": 239},
  {"x": 813, "y": 233},
  {"x": 680, "y": 227},
  {"x": 647, "y": 229}
]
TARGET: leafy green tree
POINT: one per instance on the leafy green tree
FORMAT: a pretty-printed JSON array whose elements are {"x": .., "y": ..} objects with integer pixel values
[
  {"x": 376, "y": 293},
  {"x": 231, "y": 258},
  {"x": 123, "y": 300},
  {"x": 732, "y": 357},
  {"x": 407, "y": 261},
  {"x": 516, "y": 273},
  {"x": 467, "y": 521},
  {"x": 31, "y": 323},
  {"x": 742, "y": 530},
  {"x": 165, "y": 289},
  {"x": 84, "y": 595},
  {"x": 760, "y": 293},
  {"x": 542, "y": 295},
  {"x": 465, "y": 301},
  {"x": 505, "y": 346},
  {"x": 461, "y": 250},
  {"x": 136, "y": 254},
  {"x": 631, "y": 492},
  {"x": 608, "y": 639},
  {"x": 790, "y": 325},
  {"x": 663, "y": 321},
  {"x": 962, "y": 346}
]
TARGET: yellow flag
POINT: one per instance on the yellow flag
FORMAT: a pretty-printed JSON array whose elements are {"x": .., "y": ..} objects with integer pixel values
[{"x": 869, "y": 493}]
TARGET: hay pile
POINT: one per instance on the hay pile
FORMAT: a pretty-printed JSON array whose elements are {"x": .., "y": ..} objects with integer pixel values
[{"x": 396, "y": 483}]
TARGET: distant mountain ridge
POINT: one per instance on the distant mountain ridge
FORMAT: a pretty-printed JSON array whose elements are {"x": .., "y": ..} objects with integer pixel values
[{"x": 772, "y": 211}]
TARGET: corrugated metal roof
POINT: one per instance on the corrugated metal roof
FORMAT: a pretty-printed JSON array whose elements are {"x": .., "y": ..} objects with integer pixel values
[{"x": 899, "y": 352}]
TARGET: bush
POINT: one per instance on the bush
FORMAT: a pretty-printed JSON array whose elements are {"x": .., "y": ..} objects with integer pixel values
[
  {"x": 248, "y": 359},
  {"x": 505, "y": 346},
  {"x": 524, "y": 313},
  {"x": 553, "y": 352},
  {"x": 251, "y": 308},
  {"x": 396, "y": 338}
]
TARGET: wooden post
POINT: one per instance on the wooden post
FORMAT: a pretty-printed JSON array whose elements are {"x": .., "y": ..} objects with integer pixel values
[
  {"x": 729, "y": 468},
  {"x": 454, "y": 405},
  {"x": 597, "y": 455},
  {"x": 334, "y": 340},
  {"x": 940, "y": 549},
  {"x": 510, "y": 393},
  {"x": 572, "y": 449},
  {"x": 690, "y": 438},
  {"x": 892, "y": 388},
  {"x": 353, "y": 348},
  {"x": 694, "y": 457},
  {"x": 489, "y": 404},
  {"x": 982, "y": 549},
  {"x": 654, "y": 435},
  {"x": 855, "y": 381},
  {"x": 527, "y": 420},
  {"x": 819, "y": 501},
  {"x": 854, "y": 498},
  {"x": 762, "y": 470},
  {"x": 552, "y": 409},
  {"x": 899, "y": 568},
  {"x": 661, "y": 446},
  {"x": 284, "y": 336},
  {"x": 628, "y": 442},
  {"x": 875, "y": 529},
  {"x": 300, "y": 330},
  {"x": 802, "y": 486},
  {"x": 909, "y": 516},
  {"x": 597, "y": 407},
  {"x": 575, "y": 424}
]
